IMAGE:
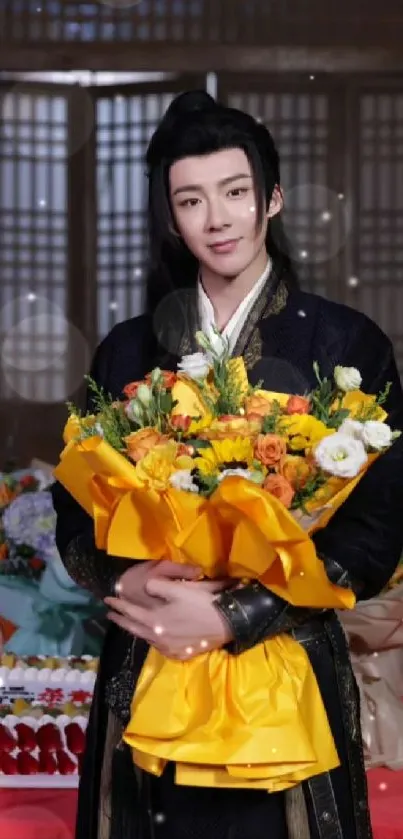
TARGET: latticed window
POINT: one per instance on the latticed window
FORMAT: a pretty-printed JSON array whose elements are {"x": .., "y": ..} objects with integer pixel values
[{"x": 33, "y": 243}]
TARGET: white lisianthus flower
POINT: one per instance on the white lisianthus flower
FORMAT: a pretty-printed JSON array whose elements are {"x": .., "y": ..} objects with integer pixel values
[
  {"x": 183, "y": 479},
  {"x": 352, "y": 428},
  {"x": 196, "y": 366},
  {"x": 341, "y": 455},
  {"x": 347, "y": 378},
  {"x": 376, "y": 435},
  {"x": 144, "y": 395},
  {"x": 134, "y": 411}
]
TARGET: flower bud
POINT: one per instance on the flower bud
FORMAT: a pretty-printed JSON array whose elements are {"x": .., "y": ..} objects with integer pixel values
[{"x": 144, "y": 395}]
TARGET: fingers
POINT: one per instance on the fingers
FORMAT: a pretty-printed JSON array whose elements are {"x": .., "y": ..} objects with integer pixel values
[
  {"x": 175, "y": 571},
  {"x": 163, "y": 588},
  {"x": 128, "y": 610}
]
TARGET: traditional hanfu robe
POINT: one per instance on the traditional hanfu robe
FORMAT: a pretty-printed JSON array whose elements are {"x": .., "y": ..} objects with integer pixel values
[{"x": 286, "y": 331}]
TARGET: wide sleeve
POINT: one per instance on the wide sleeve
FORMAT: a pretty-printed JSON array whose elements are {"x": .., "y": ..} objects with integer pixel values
[
  {"x": 86, "y": 565},
  {"x": 362, "y": 544}
]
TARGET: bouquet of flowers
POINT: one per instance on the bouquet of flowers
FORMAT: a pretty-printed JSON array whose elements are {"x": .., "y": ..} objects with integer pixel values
[{"x": 201, "y": 467}]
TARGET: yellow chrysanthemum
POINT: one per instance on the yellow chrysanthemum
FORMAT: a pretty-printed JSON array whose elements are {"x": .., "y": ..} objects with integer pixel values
[
  {"x": 156, "y": 468},
  {"x": 199, "y": 425},
  {"x": 303, "y": 431},
  {"x": 223, "y": 453}
]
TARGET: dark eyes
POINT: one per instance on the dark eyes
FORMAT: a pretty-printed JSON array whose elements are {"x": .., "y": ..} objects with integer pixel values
[{"x": 235, "y": 192}]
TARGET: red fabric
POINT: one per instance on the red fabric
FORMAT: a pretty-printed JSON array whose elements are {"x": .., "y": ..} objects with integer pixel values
[
  {"x": 37, "y": 814},
  {"x": 385, "y": 792},
  {"x": 50, "y": 814}
]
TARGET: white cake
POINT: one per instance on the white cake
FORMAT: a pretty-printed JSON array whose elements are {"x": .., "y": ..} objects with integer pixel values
[{"x": 44, "y": 707}]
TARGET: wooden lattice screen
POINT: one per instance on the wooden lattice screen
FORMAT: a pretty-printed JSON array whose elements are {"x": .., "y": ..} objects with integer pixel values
[
  {"x": 376, "y": 185},
  {"x": 207, "y": 21},
  {"x": 33, "y": 242},
  {"x": 125, "y": 120}
]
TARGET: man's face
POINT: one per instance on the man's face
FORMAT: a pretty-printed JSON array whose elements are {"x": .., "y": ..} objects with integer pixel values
[{"x": 214, "y": 207}]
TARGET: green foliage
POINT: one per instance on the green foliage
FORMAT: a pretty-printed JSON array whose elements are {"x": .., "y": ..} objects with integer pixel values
[
  {"x": 272, "y": 421},
  {"x": 308, "y": 491}
]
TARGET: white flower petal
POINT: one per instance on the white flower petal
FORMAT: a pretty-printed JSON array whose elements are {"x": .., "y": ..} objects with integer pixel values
[
  {"x": 341, "y": 455},
  {"x": 196, "y": 366},
  {"x": 183, "y": 479},
  {"x": 352, "y": 428},
  {"x": 347, "y": 378},
  {"x": 376, "y": 435}
]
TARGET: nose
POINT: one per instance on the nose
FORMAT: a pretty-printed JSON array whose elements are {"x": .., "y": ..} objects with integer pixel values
[{"x": 217, "y": 215}]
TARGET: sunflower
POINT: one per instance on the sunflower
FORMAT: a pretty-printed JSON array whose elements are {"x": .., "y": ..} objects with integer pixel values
[{"x": 224, "y": 454}]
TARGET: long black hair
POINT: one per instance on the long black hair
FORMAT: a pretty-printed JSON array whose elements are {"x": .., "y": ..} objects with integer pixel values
[{"x": 193, "y": 125}]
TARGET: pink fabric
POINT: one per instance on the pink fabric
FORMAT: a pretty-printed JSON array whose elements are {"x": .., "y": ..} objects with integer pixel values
[{"x": 50, "y": 814}]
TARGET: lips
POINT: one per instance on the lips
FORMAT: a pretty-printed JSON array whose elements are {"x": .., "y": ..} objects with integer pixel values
[{"x": 224, "y": 247}]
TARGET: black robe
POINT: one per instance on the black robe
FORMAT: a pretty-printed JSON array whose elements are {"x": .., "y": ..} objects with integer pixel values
[{"x": 287, "y": 331}]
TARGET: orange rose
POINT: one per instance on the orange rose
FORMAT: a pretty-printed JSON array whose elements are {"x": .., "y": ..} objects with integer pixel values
[
  {"x": 257, "y": 405},
  {"x": 295, "y": 470},
  {"x": 230, "y": 428},
  {"x": 139, "y": 443},
  {"x": 180, "y": 422},
  {"x": 131, "y": 389},
  {"x": 270, "y": 449},
  {"x": 168, "y": 379},
  {"x": 298, "y": 405},
  {"x": 279, "y": 487}
]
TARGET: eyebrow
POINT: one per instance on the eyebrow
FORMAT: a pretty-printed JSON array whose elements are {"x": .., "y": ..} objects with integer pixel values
[{"x": 223, "y": 182}]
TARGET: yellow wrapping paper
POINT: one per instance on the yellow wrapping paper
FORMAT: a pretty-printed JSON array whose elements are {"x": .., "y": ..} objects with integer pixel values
[{"x": 256, "y": 720}]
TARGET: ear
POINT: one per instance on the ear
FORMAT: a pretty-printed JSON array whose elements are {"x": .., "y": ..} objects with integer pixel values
[{"x": 276, "y": 202}]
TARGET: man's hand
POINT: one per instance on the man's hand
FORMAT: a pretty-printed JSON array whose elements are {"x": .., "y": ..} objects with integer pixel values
[
  {"x": 133, "y": 583},
  {"x": 183, "y": 622}
]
